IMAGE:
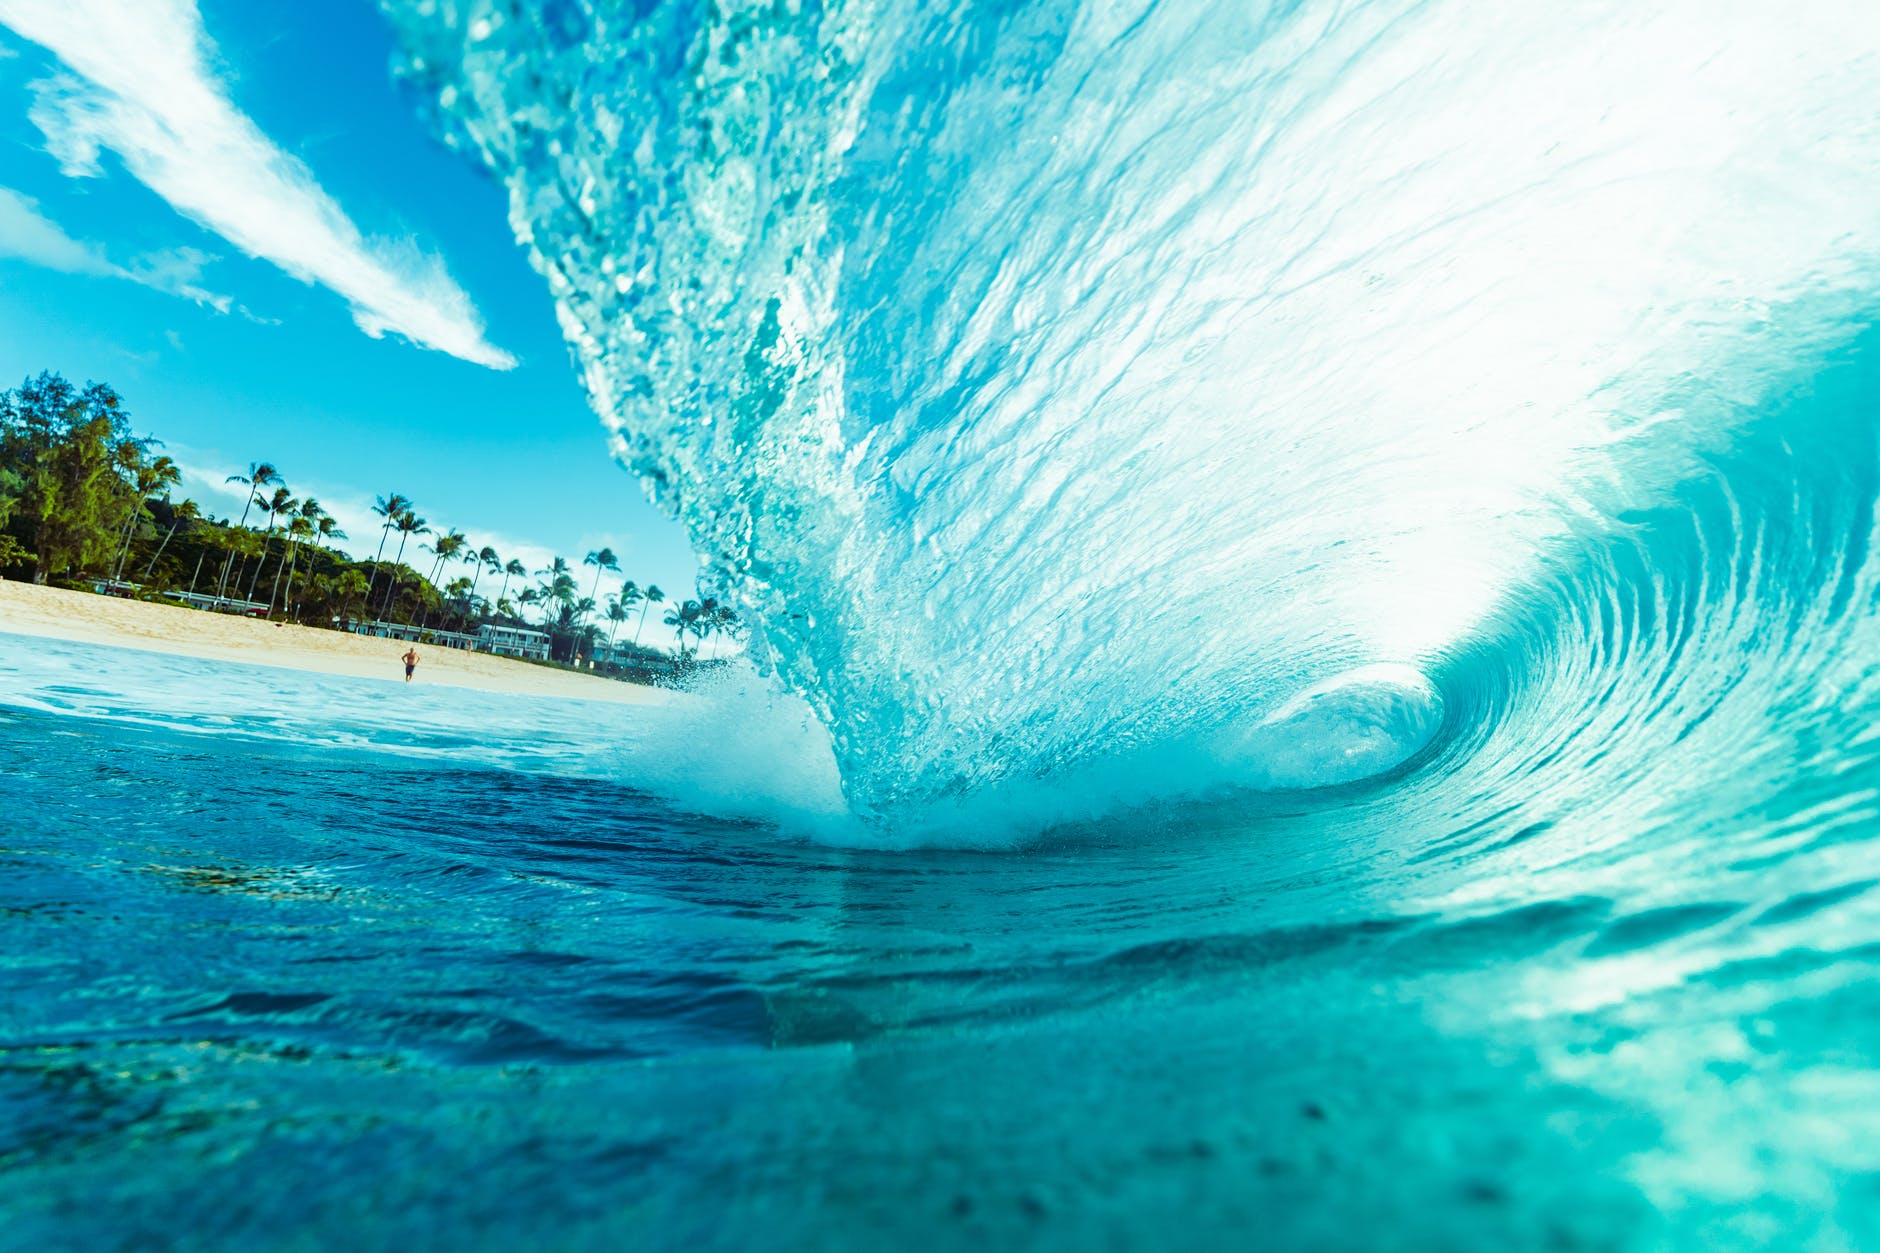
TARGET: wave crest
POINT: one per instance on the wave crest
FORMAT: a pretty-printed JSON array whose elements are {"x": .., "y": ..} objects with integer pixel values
[{"x": 1053, "y": 383}]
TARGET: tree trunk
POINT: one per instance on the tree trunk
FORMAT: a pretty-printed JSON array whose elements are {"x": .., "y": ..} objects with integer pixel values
[
  {"x": 222, "y": 589},
  {"x": 267, "y": 542},
  {"x": 124, "y": 545},
  {"x": 373, "y": 582},
  {"x": 399, "y": 560},
  {"x": 160, "y": 547},
  {"x": 292, "y": 551},
  {"x": 200, "y": 557}
]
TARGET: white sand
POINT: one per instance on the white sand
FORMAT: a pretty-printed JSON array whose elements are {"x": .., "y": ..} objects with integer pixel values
[{"x": 85, "y": 618}]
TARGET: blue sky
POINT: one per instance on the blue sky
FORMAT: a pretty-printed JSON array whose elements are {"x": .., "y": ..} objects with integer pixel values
[{"x": 227, "y": 210}]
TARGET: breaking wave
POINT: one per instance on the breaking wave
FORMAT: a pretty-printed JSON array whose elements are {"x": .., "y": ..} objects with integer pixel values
[{"x": 1156, "y": 398}]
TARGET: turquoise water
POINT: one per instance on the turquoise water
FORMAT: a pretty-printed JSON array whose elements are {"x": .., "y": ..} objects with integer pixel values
[
  {"x": 365, "y": 966},
  {"x": 1322, "y": 558},
  {"x": 1050, "y": 382}
]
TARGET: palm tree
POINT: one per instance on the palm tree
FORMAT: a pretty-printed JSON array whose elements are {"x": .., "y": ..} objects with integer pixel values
[
  {"x": 446, "y": 548},
  {"x": 325, "y": 528},
  {"x": 511, "y": 569},
  {"x": 319, "y": 522},
  {"x": 652, "y": 596},
  {"x": 148, "y": 478},
  {"x": 721, "y": 621},
  {"x": 616, "y": 614},
  {"x": 549, "y": 591},
  {"x": 709, "y": 621},
  {"x": 602, "y": 560},
  {"x": 408, "y": 525},
  {"x": 588, "y": 639},
  {"x": 179, "y": 514},
  {"x": 474, "y": 559},
  {"x": 298, "y": 528},
  {"x": 218, "y": 537},
  {"x": 482, "y": 559},
  {"x": 294, "y": 511},
  {"x": 557, "y": 594},
  {"x": 328, "y": 527},
  {"x": 459, "y": 592},
  {"x": 245, "y": 544},
  {"x": 260, "y": 474},
  {"x": 279, "y": 503},
  {"x": 684, "y": 621},
  {"x": 348, "y": 586},
  {"x": 391, "y": 508}
]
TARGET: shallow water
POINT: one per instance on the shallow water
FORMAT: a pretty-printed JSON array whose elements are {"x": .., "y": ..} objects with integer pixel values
[{"x": 263, "y": 989}]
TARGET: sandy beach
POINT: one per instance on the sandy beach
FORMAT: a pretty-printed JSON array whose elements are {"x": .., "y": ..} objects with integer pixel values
[{"x": 80, "y": 616}]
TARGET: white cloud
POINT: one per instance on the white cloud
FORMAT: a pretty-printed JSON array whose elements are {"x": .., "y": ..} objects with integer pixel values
[
  {"x": 176, "y": 271},
  {"x": 26, "y": 234},
  {"x": 142, "y": 86}
]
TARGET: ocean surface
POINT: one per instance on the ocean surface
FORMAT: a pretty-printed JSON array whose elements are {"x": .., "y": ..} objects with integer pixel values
[
  {"x": 296, "y": 962},
  {"x": 1316, "y": 673}
]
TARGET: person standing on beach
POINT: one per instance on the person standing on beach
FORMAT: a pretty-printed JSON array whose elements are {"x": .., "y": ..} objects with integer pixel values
[{"x": 411, "y": 661}]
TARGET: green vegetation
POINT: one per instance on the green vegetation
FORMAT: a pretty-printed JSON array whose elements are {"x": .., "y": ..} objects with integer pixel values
[
  {"x": 84, "y": 503},
  {"x": 71, "y": 468}
]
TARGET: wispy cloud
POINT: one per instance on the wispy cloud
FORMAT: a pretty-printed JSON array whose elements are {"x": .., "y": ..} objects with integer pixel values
[
  {"x": 26, "y": 234},
  {"x": 142, "y": 85}
]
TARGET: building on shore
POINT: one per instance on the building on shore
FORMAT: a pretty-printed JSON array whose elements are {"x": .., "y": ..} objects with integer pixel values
[
  {"x": 632, "y": 657},
  {"x": 200, "y": 600},
  {"x": 405, "y": 632},
  {"x": 508, "y": 641}
]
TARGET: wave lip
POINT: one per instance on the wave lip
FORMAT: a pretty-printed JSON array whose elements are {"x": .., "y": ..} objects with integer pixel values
[{"x": 1358, "y": 725}]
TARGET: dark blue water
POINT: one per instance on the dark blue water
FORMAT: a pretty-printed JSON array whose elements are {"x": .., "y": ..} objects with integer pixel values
[{"x": 262, "y": 994}]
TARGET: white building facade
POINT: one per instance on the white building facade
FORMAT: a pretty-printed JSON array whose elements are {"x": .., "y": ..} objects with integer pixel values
[{"x": 506, "y": 641}]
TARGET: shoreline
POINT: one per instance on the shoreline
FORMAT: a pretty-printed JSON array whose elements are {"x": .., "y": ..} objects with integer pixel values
[{"x": 27, "y": 609}]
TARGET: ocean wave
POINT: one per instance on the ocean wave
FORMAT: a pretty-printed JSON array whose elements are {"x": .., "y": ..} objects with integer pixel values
[{"x": 1059, "y": 388}]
